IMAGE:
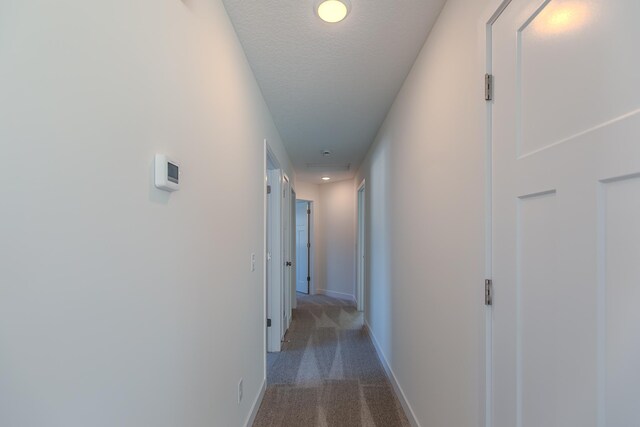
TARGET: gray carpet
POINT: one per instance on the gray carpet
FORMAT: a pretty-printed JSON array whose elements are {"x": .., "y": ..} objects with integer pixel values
[{"x": 328, "y": 373}]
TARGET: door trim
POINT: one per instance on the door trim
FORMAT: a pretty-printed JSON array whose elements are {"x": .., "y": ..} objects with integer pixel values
[
  {"x": 309, "y": 246},
  {"x": 287, "y": 223},
  {"x": 310, "y": 252},
  {"x": 361, "y": 236},
  {"x": 493, "y": 12},
  {"x": 292, "y": 242}
]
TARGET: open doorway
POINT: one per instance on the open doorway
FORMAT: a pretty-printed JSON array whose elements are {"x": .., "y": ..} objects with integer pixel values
[
  {"x": 360, "y": 249},
  {"x": 303, "y": 246}
]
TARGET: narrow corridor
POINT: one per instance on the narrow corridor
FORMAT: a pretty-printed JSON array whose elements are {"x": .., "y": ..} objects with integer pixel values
[{"x": 328, "y": 373}]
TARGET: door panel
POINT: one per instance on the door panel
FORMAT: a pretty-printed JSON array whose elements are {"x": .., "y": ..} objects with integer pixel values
[
  {"x": 621, "y": 278},
  {"x": 566, "y": 214},
  {"x": 566, "y": 51},
  {"x": 536, "y": 349}
]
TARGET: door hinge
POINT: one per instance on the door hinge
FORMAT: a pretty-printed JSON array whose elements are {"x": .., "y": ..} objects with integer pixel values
[
  {"x": 268, "y": 323},
  {"x": 308, "y": 211},
  {"x": 488, "y": 292},
  {"x": 308, "y": 278},
  {"x": 308, "y": 245},
  {"x": 268, "y": 189},
  {"x": 488, "y": 87}
]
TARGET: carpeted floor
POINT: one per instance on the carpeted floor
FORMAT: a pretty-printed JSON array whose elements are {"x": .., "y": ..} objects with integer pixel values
[{"x": 328, "y": 373}]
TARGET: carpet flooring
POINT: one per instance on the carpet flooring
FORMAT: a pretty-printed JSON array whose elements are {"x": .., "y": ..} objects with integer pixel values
[{"x": 328, "y": 373}]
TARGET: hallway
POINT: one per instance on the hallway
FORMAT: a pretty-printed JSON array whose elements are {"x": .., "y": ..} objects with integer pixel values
[
  {"x": 467, "y": 241},
  {"x": 328, "y": 373}
]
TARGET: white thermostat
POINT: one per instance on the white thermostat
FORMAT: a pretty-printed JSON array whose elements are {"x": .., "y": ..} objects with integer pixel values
[{"x": 167, "y": 174}]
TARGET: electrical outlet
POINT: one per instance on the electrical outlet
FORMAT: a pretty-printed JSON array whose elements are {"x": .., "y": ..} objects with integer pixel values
[
  {"x": 240, "y": 391},
  {"x": 253, "y": 262}
]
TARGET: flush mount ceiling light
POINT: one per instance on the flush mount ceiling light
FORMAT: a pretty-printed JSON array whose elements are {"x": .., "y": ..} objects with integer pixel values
[
  {"x": 333, "y": 11},
  {"x": 326, "y": 178},
  {"x": 326, "y": 153}
]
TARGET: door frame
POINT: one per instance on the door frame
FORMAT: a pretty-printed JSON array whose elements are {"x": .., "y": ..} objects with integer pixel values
[
  {"x": 292, "y": 242},
  {"x": 361, "y": 252},
  {"x": 287, "y": 261},
  {"x": 311, "y": 249},
  {"x": 492, "y": 13}
]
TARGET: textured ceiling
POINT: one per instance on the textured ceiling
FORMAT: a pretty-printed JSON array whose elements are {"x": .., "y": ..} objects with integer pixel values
[{"x": 329, "y": 86}]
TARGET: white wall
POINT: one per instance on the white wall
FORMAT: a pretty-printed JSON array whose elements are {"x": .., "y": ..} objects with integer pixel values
[
  {"x": 307, "y": 191},
  {"x": 119, "y": 301},
  {"x": 425, "y": 226},
  {"x": 338, "y": 230}
]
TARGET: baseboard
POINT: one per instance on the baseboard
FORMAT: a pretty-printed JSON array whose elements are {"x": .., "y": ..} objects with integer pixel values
[
  {"x": 256, "y": 405},
  {"x": 334, "y": 294},
  {"x": 392, "y": 378}
]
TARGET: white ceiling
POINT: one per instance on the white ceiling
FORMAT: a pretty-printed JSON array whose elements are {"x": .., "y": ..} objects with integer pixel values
[{"x": 329, "y": 86}]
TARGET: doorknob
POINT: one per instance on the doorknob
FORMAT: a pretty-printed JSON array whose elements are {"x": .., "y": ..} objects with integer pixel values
[{"x": 288, "y": 263}]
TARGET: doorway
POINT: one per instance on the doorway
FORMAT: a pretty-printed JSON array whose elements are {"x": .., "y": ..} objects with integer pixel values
[
  {"x": 360, "y": 249},
  {"x": 303, "y": 246}
]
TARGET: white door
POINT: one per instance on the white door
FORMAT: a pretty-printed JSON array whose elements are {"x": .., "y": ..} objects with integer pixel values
[
  {"x": 274, "y": 261},
  {"x": 267, "y": 261},
  {"x": 302, "y": 249},
  {"x": 566, "y": 214}
]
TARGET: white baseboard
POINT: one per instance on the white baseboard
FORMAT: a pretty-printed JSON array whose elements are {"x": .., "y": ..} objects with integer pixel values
[
  {"x": 256, "y": 405},
  {"x": 392, "y": 378},
  {"x": 334, "y": 294}
]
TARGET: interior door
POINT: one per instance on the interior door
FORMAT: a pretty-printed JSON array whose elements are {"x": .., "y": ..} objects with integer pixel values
[
  {"x": 302, "y": 249},
  {"x": 566, "y": 214},
  {"x": 267, "y": 261},
  {"x": 274, "y": 261}
]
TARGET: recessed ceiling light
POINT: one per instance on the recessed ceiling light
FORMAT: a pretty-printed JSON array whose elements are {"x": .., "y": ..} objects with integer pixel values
[
  {"x": 333, "y": 10},
  {"x": 326, "y": 178},
  {"x": 326, "y": 153}
]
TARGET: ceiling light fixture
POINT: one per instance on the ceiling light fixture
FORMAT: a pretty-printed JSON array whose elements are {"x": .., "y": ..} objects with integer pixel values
[
  {"x": 333, "y": 11},
  {"x": 326, "y": 178}
]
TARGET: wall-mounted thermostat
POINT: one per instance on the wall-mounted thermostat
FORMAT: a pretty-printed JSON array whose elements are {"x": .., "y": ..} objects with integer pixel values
[{"x": 167, "y": 174}]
